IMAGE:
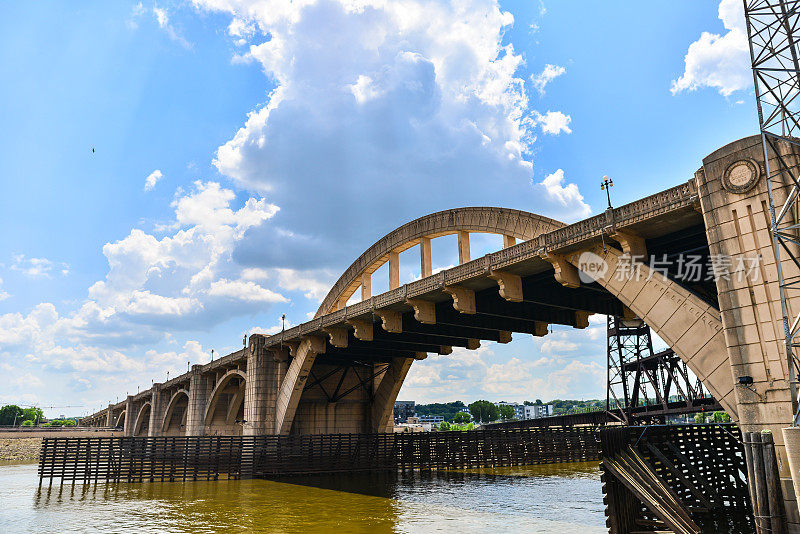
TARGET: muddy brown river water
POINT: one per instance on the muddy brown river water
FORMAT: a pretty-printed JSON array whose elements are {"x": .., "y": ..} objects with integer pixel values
[{"x": 562, "y": 498}]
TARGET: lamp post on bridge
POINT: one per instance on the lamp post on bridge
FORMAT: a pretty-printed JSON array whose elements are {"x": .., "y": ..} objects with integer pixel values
[{"x": 606, "y": 186}]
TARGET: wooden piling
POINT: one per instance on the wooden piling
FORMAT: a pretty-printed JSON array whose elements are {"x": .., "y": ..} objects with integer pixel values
[
  {"x": 760, "y": 481},
  {"x": 212, "y": 457},
  {"x": 774, "y": 493}
]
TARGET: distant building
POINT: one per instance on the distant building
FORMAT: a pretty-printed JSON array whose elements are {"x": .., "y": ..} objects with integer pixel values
[
  {"x": 432, "y": 419},
  {"x": 538, "y": 410},
  {"x": 519, "y": 409},
  {"x": 403, "y": 410}
]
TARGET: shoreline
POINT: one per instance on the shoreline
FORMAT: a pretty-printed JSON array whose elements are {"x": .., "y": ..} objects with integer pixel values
[{"x": 20, "y": 450}]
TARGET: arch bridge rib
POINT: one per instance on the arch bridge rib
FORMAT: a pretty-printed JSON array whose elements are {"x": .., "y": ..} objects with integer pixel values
[
  {"x": 171, "y": 405},
  {"x": 219, "y": 389},
  {"x": 512, "y": 224},
  {"x": 146, "y": 407}
]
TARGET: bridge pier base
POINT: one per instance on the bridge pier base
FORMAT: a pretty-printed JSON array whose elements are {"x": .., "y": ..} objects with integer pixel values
[
  {"x": 199, "y": 390},
  {"x": 129, "y": 417},
  {"x": 156, "y": 412},
  {"x": 265, "y": 371},
  {"x": 737, "y": 222}
]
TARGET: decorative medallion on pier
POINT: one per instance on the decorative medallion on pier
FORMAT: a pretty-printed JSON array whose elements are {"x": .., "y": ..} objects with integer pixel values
[{"x": 741, "y": 176}]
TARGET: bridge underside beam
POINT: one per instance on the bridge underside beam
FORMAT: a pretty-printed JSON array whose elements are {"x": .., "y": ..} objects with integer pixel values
[
  {"x": 339, "y": 356},
  {"x": 449, "y": 330},
  {"x": 432, "y": 337}
]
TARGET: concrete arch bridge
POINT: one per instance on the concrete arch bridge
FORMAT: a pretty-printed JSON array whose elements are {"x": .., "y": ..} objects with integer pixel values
[{"x": 342, "y": 370}]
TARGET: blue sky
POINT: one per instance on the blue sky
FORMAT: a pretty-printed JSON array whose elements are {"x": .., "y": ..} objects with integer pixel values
[{"x": 247, "y": 152}]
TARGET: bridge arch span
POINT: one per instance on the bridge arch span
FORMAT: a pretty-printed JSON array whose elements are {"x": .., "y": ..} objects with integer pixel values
[
  {"x": 120, "y": 419},
  {"x": 513, "y": 224},
  {"x": 178, "y": 400},
  {"x": 143, "y": 419},
  {"x": 234, "y": 406}
]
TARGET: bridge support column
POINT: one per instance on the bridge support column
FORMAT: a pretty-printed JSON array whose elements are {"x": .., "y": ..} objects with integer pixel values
[
  {"x": 463, "y": 247},
  {"x": 735, "y": 205},
  {"x": 382, "y": 409},
  {"x": 156, "y": 412},
  {"x": 425, "y": 261},
  {"x": 294, "y": 382},
  {"x": 200, "y": 387},
  {"x": 110, "y": 416},
  {"x": 265, "y": 370},
  {"x": 130, "y": 417}
]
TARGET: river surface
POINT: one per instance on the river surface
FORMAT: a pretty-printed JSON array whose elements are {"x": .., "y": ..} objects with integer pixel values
[{"x": 561, "y": 498}]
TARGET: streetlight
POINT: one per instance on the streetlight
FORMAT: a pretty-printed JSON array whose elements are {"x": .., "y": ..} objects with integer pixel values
[{"x": 606, "y": 185}]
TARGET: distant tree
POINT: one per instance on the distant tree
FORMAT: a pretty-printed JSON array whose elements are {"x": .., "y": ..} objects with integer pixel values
[
  {"x": 32, "y": 414},
  {"x": 10, "y": 413},
  {"x": 699, "y": 418},
  {"x": 70, "y": 422},
  {"x": 538, "y": 402},
  {"x": 444, "y": 426},
  {"x": 721, "y": 417},
  {"x": 506, "y": 412},
  {"x": 27, "y": 423},
  {"x": 461, "y": 417},
  {"x": 483, "y": 411},
  {"x": 448, "y": 410}
]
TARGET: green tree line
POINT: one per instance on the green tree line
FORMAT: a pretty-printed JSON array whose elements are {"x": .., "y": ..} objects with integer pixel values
[{"x": 11, "y": 414}]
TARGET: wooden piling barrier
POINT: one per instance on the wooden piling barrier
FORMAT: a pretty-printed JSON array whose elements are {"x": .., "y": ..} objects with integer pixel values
[
  {"x": 773, "y": 488},
  {"x": 142, "y": 459},
  {"x": 653, "y": 476}
]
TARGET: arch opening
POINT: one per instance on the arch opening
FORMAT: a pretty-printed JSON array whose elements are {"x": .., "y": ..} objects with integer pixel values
[
  {"x": 225, "y": 411},
  {"x": 175, "y": 415},
  {"x": 142, "y": 426}
]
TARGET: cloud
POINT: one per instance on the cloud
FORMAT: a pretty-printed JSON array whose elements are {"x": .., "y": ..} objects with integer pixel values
[
  {"x": 553, "y": 122},
  {"x": 152, "y": 179},
  {"x": 567, "y": 195},
  {"x": 37, "y": 267},
  {"x": 308, "y": 282},
  {"x": 244, "y": 290},
  {"x": 719, "y": 61},
  {"x": 162, "y": 18},
  {"x": 188, "y": 276},
  {"x": 550, "y": 73},
  {"x": 3, "y": 294},
  {"x": 571, "y": 365},
  {"x": 404, "y": 112}
]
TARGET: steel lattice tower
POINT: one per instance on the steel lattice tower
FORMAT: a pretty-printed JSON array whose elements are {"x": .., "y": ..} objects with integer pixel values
[
  {"x": 646, "y": 385},
  {"x": 628, "y": 343},
  {"x": 772, "y": 31}
]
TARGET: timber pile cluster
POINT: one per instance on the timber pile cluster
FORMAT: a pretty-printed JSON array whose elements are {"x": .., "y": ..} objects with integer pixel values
[
  {"x": 765, "y": 489},
  {"x": 212, "y": 457},
  {"x": 685, "y": 478}
]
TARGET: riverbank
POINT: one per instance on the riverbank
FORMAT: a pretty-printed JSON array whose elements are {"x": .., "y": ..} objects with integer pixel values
[
  {"x": 20, "y": 449},
  {"x": 20, "y": 445}
]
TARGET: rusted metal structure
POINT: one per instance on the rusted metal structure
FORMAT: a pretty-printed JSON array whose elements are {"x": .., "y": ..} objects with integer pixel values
[{"x": 644, "y": 385}]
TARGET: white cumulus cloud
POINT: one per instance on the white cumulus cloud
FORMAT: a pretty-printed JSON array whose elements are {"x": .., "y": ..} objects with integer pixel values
[
  {"x": 37, "y": 267},
  {"x": 152, "y": 179},
  {"x": 402, "y": 103},
  {"x": 566, "y": 195},
  {"x": 554, "y": 122},
  {"x": 550, "y": 73},
  {"x": 719, "y": 61}
]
